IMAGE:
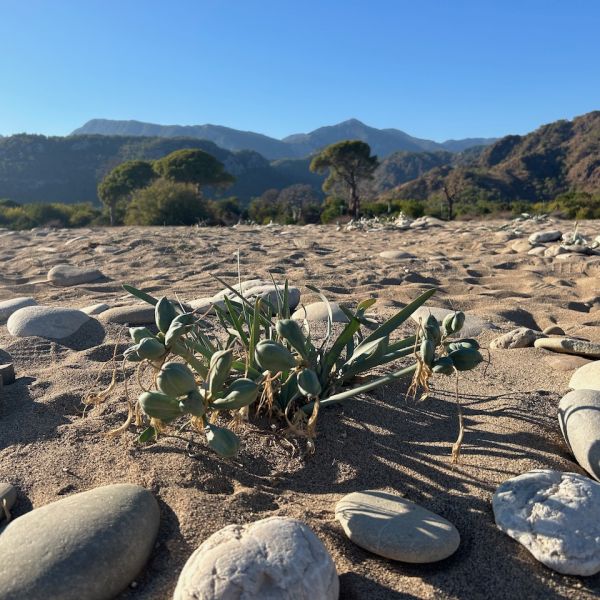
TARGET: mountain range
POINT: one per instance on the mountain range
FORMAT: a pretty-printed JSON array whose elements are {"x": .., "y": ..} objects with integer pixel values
[{"x": 383, "y": 142}]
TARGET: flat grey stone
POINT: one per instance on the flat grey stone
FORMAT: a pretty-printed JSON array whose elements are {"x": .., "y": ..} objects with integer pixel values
[
  {"x": 569, "y": 346},
  {"x": 587, "y": 377},
  {"x": 8, "y": 307},
  {"x": 541, "y": 237},
  {"x": 317, "y": 311},
  {"x": 95, "y": 309},
  {"x": 517, "y": 338},
  {"x": 88, "y": 546},
  {"x": 396, "y": 528},
  {"x": 66, "y": 275},
  {"x": 271, "y": 559},
  {"x": 521, "y": 246},
  {"x": 472, "y": 328},
  {"x": 7, "y": 373},
  {"x": 396, "y": 255},
  {"x": 579, "y": 419},
  {"x": 258, "y": 288},
  {"x": 555, "y": 515},
  {"x": 45, "y": 321},
  {"x": 137, "y": 314},
  {"x": 8, "y": 496}
]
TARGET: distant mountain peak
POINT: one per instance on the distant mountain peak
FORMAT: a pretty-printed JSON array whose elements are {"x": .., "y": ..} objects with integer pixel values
[{"x": 383, "y": 142}]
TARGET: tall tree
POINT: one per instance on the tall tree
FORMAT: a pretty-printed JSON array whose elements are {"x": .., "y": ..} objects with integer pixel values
[
  {"x": 349, "y": 163},
  {"x": 122, "y": 181},
  {"x": 193, "y": 166}
]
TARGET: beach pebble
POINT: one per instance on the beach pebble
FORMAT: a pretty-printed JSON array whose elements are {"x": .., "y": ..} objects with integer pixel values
[
  {"x": 8, "y": 496},
  {"x": 137, "y": 314},
  {"x": 569, "y": 346},
  {"x": 541, "y": 237},
  {"x": 95, "y": 309},
  {"x": 7, "y": 374},
  {"x": 45, "y": 321},
  {"x": 426, "y": 222},
  {"x": 521, "y": 246},
  {"x": 579, "y": 419},
  {"x": 66, "y": 275},
  {"x": 396, "y": 255},
  {"x": 565, "y": 362},
  {"x": 555, "y": 515},
  {"x": 587, "y": 377},
  {"x": 8, "y": 307},
  {"x": 537, "y": 251},
  {"x": 396, "y": 528},
  {"x": 258, "y": 288},
  {"x": 472, "y": 328},
  {"x": 88, "y": 546},
  {"x": 317, "y": 311},
  {"x": 272, "y": 559},
  {"x": 553, "y": 330},
  {"x": 518, "y": 338}
]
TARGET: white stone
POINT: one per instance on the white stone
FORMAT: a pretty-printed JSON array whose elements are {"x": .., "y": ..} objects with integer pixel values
[
  {"x": 257, "y": 288},
  {"x": 541, "y": 237},
  {"x": 45, "y": 321},
  {"x": 586, "y": 377},
  {"x": 8, "y": 307},
  {"x": 556, "y": 516},
  {"x": 317, "y": 311},
  {"x": 67, "y": 275},
  {"x": 271, "y": 559},
  {"x": 88, "y": 546},
  {"x": 396, "y": 528},
  {"x": 579, "y": 419},
  {"x": 518, "y": 338},
  {"x": 8, "y": 496},
  {"x": 396, "y": 255},
  {"x": 137, "y": 314}
]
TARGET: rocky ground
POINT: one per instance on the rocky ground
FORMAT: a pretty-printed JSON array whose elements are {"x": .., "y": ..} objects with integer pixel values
[{"x": 52, "y": 446}]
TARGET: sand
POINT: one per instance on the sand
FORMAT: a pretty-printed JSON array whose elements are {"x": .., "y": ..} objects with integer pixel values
[{"x": 51, "y": 447}]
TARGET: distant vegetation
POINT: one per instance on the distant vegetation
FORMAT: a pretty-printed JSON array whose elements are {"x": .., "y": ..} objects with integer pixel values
[{"x": 60, "y": 181}]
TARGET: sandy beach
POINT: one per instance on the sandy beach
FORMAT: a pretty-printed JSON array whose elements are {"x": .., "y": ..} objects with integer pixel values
[{"x": 52, "y": 445}]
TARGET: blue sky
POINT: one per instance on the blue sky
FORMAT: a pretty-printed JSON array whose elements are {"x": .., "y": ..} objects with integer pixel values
[{"x": 434, "y": 68}]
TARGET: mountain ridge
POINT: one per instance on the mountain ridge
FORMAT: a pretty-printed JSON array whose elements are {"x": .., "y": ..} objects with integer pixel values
[{"x": 383, "y": 142}]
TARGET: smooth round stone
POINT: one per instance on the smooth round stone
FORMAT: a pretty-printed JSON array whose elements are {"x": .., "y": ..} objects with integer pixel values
[
  {"x": 271, "y": 559},
  {"x": 8, "y": 307},
  {"x": 553, "y": 330},
  {"x": 579, "y": 419},
  {"x": 396, "y": 255},
  {"x": 565, "y": 362},
  {"x": 317, "y": 311},
  {"x": 569, "y": 346},
  {"x": 472, "y": 328},
  {"x": 66, "y": 275},
  {"x": 541, "y": 237},
  {"x": 7, "y": 374},
  {"x": 257, "y": 288},
  {"x": 396, "y": 528},
  {"x": 45, "y": 321},
  {"x": 518, "y": 338},
  {"x": 95, "y": 309},
  {"x": 139, "y": 314},
  {"x": 587, "y": 377},
  {"x": 88, "y": 546},
  {"x": 555, "y": 515},
  {"x": 8, "y": 496},
  {"x": 521, "y": 246}
]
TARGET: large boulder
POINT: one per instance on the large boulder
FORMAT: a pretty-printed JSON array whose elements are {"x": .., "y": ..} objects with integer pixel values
[
  {"x": 587, "y": 377},
  {"x": 272, "y": 559}
]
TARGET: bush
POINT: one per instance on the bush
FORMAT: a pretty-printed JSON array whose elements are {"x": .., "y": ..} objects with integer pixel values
[
  {"x": 16, "y": 216},
  {"x": 167, "y": 203}
]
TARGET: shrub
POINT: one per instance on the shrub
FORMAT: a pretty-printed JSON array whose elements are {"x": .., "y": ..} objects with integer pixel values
[{"x": 166, "y": 203}]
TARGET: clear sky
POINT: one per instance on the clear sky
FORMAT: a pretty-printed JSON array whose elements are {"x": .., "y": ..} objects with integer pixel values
[{"x": 434, "y": 68}]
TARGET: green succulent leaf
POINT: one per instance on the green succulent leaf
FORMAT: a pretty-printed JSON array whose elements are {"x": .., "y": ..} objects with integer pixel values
[
  {"x": 148, "y": 434},
  {"x": 164, "y": 313},
  {"x": 140, "y": 294},
  {"x": 223, "y": 441},
  {"x": 176, "y": 380},
  {"x": 160, "y": 406},
  {"x": 242, "y": 392}
]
